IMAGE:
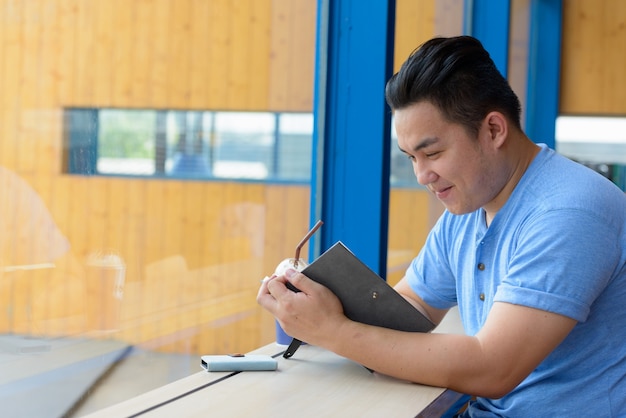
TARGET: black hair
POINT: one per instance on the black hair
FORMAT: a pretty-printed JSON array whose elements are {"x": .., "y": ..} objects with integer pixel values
[{"x": 458, "y": 76}]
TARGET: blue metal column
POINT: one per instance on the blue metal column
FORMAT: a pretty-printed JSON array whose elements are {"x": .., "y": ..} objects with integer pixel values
[
  {"x": 489, "y": 20},
  {"x": 544, "y": 66},
  {"x": 350, "y": 181}
]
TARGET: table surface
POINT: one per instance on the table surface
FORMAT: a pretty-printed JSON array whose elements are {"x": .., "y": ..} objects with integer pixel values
[{"x": 315, "y": 382}]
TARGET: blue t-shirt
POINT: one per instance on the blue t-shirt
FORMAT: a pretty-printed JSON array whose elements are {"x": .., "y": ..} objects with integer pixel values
[{"x": 558, "y": 244}]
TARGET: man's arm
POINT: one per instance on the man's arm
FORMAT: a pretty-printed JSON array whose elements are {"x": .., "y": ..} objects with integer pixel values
[
  {"x": 435, "y": 315},
  {"x": 513, "y": 341}
]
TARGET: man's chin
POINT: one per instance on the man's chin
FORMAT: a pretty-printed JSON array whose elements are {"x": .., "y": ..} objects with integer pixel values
[{"x": 455, "y": 210}]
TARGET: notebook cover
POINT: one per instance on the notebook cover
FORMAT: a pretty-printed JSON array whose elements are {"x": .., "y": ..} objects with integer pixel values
[{"x": 365, "y": 296}]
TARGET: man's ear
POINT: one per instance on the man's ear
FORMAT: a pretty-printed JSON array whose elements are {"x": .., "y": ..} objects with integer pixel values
[{"x": 498, "y": 128}]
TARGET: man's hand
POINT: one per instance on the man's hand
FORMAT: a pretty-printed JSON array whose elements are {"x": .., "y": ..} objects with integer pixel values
[{"x": 311, "y": 315}]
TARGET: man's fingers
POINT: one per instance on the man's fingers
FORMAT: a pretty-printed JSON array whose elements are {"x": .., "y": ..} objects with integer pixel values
[
  {"x": 264, "y": 297},
  {"x": 274, "y": 291},
  {"x": 301, "y": 282}
]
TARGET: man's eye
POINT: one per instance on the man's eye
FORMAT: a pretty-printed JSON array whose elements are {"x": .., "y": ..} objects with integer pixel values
[{"x": 432, "y": 154}]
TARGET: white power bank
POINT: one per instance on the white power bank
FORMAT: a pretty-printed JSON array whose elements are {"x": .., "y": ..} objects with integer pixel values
[{"x": 238, "y": 363}]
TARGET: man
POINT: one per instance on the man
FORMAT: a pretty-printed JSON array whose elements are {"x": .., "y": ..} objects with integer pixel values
[{"x": 532, "y": 248}]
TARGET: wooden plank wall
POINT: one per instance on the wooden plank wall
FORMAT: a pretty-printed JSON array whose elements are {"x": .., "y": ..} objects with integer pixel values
[
  {"x": 415, "y": 23},
  {"x": 192, "y": 251},
  {"x": 593, "y": 59}
]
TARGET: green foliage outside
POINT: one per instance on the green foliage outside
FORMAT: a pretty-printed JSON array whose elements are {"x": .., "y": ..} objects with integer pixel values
[{"x": 126, "y": 134}]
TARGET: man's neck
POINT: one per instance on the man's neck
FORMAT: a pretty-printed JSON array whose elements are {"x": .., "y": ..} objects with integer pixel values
[{"x": 521, "y": 152}]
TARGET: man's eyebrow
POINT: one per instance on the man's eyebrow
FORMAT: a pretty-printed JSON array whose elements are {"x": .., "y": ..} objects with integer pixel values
[{"x": 425, "y": 143}]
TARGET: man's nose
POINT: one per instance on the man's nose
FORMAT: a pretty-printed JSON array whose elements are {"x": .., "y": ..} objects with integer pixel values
[{"x": 424, "y": 174}]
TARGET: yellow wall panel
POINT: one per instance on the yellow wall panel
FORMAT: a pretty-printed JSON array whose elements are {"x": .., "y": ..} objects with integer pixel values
[
  {"x": 172, "y": 200},
  {"x": 3, "y": 41},
  {"x": 154, "y": 222},
  {"x": 181, "y": 51},
  {"x": 47, "y": 118},
  {"x": 142, "y": 24},
  {"x": 219, "y": 69},
  {"x": 85, "y": 68},
  {"x": 239, "y": 63},
  {"x": 194, "y": 205},
  {"x": 159, "y": 70},
  {"x": 415, "y": 24},
  {"x": 259, "y": 52},
  {"x": 66, "y": 51},
  {"x": 10, "y": 99},
  {"x": 30, "y": 48},
  {"x": 102, "y": 50},
  {"x": 200, "y": 33},
  {"x": 593, "y": 59},
  {"x": 115, "y": 212},
  {"x": 291, "y": 71},
  {"x": 279, "y": 54},
  {"x": 301, "y": 67},
  {"x": 409, "y": 224}
]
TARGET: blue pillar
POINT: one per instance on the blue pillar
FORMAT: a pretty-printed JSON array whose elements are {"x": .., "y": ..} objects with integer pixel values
[
  {"x": 489, "y": 20},
  {"x": 544, "y": 66},
  {"x": 350, "y": 181}
]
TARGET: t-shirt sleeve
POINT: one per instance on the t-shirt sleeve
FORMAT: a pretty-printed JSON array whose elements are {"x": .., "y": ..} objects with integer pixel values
[
  {"x": 429, "y": 274},
  {"x": 562, "y": 262}
]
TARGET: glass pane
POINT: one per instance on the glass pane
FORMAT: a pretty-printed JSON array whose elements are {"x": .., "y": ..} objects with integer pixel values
[
  {"x": 244, "y": 143},
  {"x": 295, "y": 138},
  {"x": 412, "y": 210},
  {"x": 119, "y": 268},
  {"x": 598, "y": 142},
  {"x": 189, "y": 144},
  {"x": 125, "y": 142}
]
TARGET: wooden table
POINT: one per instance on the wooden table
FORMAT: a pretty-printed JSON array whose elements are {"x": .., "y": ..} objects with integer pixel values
[{"x": 314, "y": 383}]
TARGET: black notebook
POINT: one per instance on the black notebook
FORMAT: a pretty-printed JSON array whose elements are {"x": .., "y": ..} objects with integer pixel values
[{"x": 365, "y": 296}]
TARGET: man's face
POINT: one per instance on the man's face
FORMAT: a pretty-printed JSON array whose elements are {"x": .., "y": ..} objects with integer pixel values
[{"x": 460, "y": 170}]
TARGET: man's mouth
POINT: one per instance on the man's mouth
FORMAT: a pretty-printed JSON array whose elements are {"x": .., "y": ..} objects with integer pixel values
[{"x": 443, "y": 192}]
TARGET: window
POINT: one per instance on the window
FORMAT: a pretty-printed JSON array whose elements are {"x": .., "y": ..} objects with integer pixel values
[
  {"x": 401, "y": 169},
  {"x": 597, "y": 142},
  {"x": 189, "y": 144}
]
